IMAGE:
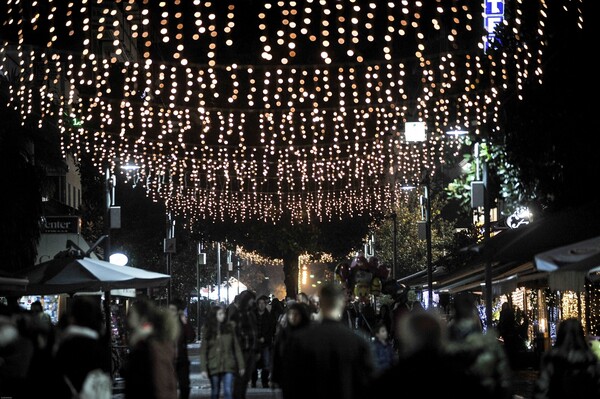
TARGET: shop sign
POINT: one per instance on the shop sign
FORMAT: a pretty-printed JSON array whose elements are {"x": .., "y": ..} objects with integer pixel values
[
  {"x": 493, "y": 16},
  {"x": 61, "y": 225}
]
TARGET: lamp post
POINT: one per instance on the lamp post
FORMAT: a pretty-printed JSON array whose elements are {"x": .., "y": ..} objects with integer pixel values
[
  {"x": 110, "y": 183},
  {"x": 488, "y": 263},
  {"x": 219, "y": 272},
  {"x": 426, "y": 215},
  {"x": 109, "y": 187},
  {"x": 427, "y": 190},
  {"x": 200, "y": 261},
  {"x": 238, "y": 268},
  {"x": 394, "y": 244},
  {"x": 480, "y": 197},
  {"x": 169, "y": 249}
]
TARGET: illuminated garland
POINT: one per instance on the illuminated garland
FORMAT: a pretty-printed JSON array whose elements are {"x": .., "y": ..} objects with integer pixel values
[{"x": 312, "y": 127}]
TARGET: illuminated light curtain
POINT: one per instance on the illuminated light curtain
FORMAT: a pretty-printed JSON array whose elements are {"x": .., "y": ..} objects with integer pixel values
[
  {"x": 594, "y": 308},
  {"x": 292, "y": 109}
]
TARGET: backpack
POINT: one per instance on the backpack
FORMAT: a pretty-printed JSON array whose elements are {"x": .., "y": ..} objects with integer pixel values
[{"x": 97, "y": 385}]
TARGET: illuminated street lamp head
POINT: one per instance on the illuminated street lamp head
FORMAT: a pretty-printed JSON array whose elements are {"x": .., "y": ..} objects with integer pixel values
[
  {"x": 407, "y": 186},
  {"x": 457, "y": 132},
  {"x": 118, "y": 259},
  {"x": 130, "y": 166}
]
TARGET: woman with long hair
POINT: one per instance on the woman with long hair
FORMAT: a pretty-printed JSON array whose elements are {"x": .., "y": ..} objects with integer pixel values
[
  {"x": 570, "y": 369},
  {"x": 297, "y": 317},
  {"x": 221, "y": 356}
]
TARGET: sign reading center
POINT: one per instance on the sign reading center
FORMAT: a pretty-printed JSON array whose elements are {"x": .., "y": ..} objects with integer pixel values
[{"x": 61, "y": 225}]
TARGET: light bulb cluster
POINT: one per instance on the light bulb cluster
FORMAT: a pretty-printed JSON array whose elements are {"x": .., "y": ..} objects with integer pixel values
[
  {"x": 594, "y": 307},
  {"x": 291, "y": 109}
]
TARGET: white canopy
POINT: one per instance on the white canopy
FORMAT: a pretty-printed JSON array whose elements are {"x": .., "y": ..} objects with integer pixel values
[
  {"x": 571, "y": 264},
  {"x": 229, "y": 290}
]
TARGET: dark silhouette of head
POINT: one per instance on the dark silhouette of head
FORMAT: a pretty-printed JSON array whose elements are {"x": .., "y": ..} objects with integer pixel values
[{"x": 86, "y": 312}]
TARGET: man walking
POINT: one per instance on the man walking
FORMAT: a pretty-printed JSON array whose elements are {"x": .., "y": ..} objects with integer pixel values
[
  {"x": 328, "y": 360},
  {"x": 266, "y": 330}
]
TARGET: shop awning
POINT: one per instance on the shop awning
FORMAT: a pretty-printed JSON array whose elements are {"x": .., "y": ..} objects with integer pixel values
[
  {"x": 70, "y": 275},
  {"x": 505, "y": 278},
  {"x": 413, "y": 278},
  {"x": 544, "y": 234},
  {"x": 11, "y": 286},
  {"x": 569, "y": 266}
]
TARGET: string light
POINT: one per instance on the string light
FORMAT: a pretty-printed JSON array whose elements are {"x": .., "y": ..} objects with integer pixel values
[{"x": 295, "y": 111}]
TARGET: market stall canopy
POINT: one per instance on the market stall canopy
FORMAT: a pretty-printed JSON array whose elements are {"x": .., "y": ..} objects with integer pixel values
[
  {"x": 69, "y": 275},
  {"x": 10, "y": 284},
  {"x": 549, "y": 232},
  {"x": 571, "y": 265}
]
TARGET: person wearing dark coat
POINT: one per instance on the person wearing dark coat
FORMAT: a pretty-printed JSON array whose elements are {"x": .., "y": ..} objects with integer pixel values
[
  {"x": 81, "y": 347},
  {"x": 182, "y": 359},
  {"x": 243, "y": 317},
  {"x": 149, "y": 369},
  {"x": 421, "y": 339},
  {"x": 328, "y": 360},
  {"x": 477, "y": 362},
  {"x": 570, "y": 369},
  {"x": 265, "y": 331},
  {"x": 297, "y": 317}
]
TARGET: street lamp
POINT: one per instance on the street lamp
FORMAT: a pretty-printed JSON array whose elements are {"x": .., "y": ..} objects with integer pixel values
[
  {"x": 395, "y": 244},
  {"x": 109, "y": 187},
  {"x": 118, "y": 259},
  {"x": 480, "y": 197},
  {"x": 427, "y": 199},
  {"x": 426, "y": 214},
  {"x": 169, "y": 249}
]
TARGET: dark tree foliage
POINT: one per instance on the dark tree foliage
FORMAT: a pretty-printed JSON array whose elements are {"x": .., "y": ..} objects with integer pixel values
[
  {"x": 549, "y": 132},
  {"x": 27, "y": 151},
  {"x": 287, "y": 241},
  {"x": 21, "y": 181}
]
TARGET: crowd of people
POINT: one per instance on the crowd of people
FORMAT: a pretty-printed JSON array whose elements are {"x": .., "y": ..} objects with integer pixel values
[
  {"x": 39, "y": 359},
  {"x": 323, "y": 346},
  {"x": 331, "y": 346}
]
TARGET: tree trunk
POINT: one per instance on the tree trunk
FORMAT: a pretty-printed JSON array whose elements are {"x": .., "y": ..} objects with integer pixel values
[{"x": 290, "y": 273}]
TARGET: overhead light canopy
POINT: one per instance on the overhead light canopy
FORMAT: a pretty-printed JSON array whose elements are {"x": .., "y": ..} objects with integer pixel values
[{"x": 221, "y": 123}]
